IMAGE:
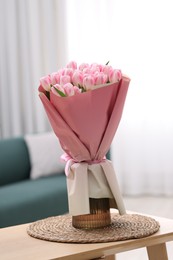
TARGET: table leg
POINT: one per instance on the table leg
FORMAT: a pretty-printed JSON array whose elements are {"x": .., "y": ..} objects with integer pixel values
[{"x": 157, "y": 252}]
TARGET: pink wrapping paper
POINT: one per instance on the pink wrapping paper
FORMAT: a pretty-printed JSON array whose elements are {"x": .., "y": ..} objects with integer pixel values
[{"x": 85, "y": 125}]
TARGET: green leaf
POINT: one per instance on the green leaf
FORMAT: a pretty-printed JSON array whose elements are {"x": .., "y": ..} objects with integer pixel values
[{"x": 60, "y": 92}]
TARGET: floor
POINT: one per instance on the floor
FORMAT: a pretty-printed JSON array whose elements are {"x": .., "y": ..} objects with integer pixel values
[{"x": 156, "y": 206}]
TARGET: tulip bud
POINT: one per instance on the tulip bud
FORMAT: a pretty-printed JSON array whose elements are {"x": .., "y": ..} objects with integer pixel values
[
  {"x": 58, "y": 90},
  {"x": 106, "y": 69},
  {"x": 68, "y": 71},
  {"x": 83, "y": 66},
  {"x": 94, "y": 67},
  {"x": 77, "y": 78},
  {"x": 88, "y": 82},
  {"x": 64, "y": 79},
  {"x": 77, "y": 90},
  {"x": 72, "y": 65},
  {"x": 45, "y": 82},
  {"x": 68, "y": 89},
  {"x": 114, "y": 75},
  {"x": 55, "y": 78},
  {"x": 100, "y": 78}
]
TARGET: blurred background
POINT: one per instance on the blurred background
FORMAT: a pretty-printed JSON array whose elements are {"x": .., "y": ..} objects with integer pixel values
[{"x": 41, "y": 36}]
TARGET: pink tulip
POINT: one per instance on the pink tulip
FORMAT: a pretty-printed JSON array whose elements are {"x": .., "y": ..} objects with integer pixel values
[
  {"x": 100, "y": 78},
  {"x": 55, "y": 78},
  {"x": 45, "y": 82},
  {"x": 72, "y": 65},
  {"x": 88, "y": 82},
  {"x": 106, "y": 69},
  {"x": 83, "y": 66},
  {"x": 61, "y": 72},
  {"x": 77, "y": 78},
  {"x": 101, "y": 67},
  {"x": 87, "y": 71},
  {"x": 68, "y": 71},
  {"x": 114, "y": 75},
  {"x": 77, "y": 90},
  {"x": 58, "y": 87},
  {"x": 64, "y": 79},
  {"x": 69, "y": 89},
  {"x": 95, "y": 67}
]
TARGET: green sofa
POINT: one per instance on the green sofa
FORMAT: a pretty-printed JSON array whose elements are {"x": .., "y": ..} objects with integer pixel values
[{"x": 23, "y": 199}]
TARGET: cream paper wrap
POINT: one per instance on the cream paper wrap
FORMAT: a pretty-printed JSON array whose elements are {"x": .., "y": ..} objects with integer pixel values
[{"x": 96, "y": 180}]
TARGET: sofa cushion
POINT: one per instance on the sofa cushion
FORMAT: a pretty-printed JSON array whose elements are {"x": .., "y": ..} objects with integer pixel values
[
  {"x": 14, "y": 160},
  {"x": 45, "y": 152},
  {"x": 31, "y": 200}
]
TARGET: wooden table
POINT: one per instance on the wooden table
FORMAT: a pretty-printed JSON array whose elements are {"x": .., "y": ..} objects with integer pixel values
[{"x": 16, "y": 244}]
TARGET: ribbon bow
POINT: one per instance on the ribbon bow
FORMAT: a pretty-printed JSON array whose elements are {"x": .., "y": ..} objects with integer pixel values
[{"x": 70, "y": 161}]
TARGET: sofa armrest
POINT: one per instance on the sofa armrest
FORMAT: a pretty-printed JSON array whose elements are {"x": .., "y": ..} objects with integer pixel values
[{"x": 14, "y": 160}]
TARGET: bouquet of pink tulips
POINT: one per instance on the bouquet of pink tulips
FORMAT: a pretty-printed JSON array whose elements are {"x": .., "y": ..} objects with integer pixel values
[
  {"x": 84, "y": 105},
  {"x": 74, "y": 80}
]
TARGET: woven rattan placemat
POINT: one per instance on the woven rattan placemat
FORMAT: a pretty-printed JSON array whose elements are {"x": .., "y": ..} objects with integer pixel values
[{"x": 60, "y": 229}]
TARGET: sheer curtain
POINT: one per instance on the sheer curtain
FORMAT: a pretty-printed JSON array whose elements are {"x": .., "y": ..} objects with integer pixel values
[
  {"x": 136, "y": 37},
  {"x": 32, "y": 44},
  {"x": 39, "y": 36}
]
